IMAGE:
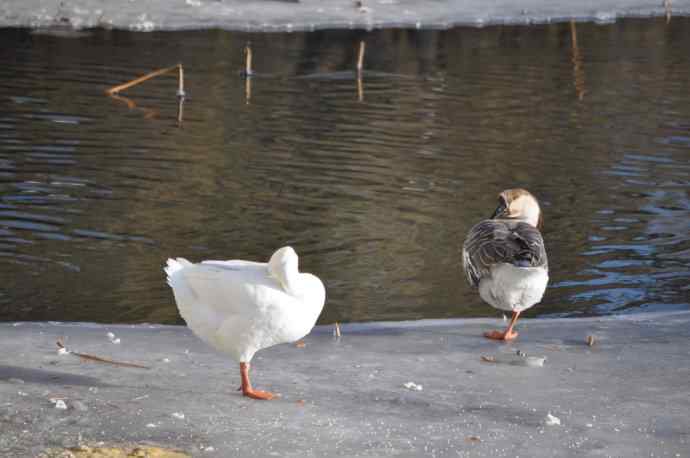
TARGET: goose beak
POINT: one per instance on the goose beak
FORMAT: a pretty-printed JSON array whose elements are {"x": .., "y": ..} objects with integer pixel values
[{"x": 500, "y": 211}]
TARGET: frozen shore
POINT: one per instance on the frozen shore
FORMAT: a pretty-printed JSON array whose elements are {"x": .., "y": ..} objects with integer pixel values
[
  {"x": 429, "y": 388},
  {"x": 271, "y": 15}
]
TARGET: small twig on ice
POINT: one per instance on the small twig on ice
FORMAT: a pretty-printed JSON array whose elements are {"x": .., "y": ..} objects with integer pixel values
[{"x": 98, "y": 359}]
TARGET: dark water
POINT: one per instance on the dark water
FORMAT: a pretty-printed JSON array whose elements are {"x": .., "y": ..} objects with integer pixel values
[{"x": 376, "y": 195}]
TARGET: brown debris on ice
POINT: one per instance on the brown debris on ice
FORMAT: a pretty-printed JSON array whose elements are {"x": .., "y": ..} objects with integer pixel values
[{"x": 86, "y": 357}]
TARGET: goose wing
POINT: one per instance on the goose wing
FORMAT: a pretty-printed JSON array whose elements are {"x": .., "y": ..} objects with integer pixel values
[
  {"x": 233, "y": 287},
  {"x": 501, "y": 241},
  {"x": 236, "y": 264}
]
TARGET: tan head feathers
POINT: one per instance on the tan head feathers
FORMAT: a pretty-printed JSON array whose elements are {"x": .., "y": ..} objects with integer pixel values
[{"x": 519, "y": 204}]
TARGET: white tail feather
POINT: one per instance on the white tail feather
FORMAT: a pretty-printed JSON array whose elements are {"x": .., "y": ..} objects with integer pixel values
[
  {"x": 177, "y": 282},
  {"x": 175, "y": 265}
]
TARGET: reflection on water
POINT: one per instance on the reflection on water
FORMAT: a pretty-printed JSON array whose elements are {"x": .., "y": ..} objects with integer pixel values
[{"x": 376, "y": 195}]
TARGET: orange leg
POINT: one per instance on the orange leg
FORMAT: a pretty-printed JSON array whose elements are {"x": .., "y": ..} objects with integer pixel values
[
  {"x": 508, "y": 334},
  {"x": 247, "y": 389}
]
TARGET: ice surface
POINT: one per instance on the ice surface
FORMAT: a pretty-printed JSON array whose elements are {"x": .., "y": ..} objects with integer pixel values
[
  {"x": 517, "y": 358},
  {"x": 626, "y": 396},
  {"x": 267, "y": 15}
]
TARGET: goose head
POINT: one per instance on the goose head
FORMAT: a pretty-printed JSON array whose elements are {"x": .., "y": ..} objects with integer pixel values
[
  {"x": 519, "y": 204},
  {"x": 284, "y": 268},
  {"x": 284, "y": 264}
]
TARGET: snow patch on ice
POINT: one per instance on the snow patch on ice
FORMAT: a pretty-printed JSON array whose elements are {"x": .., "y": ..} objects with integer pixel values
[
  {"x": 113, "y": 339},
  {"x": 552, "y": 420},
  {"x": 143, "y": 24},
  {"x": 59, "y": 404},
  {"x": 413, "y": 386}
]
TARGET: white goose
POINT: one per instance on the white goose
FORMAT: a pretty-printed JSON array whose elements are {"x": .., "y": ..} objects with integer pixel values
[
  {"x": 506, "y": 259},
  {"x": 240, "y": 307}
]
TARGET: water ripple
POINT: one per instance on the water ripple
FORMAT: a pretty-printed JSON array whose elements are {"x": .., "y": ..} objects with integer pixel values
[{"x": 375, "y": 186}]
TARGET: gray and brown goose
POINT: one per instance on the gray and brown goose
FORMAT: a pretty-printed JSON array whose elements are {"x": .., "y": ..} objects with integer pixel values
[{"x": 506, "y": 259}]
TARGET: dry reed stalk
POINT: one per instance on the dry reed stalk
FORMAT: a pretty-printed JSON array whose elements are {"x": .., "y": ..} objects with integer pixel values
[
  {"x": 141, "y": 79},
  {"x": 180, "y": 81},
  {"x": 180, "y": 94},
  {"x": 248, "y": 72},
  {"x": 667, "y": 7},
  {"x": 578, "y": 72},
  {"x": 149, "y": 113},
  {"x": 180, "y": 109},
  {"x": 573, "y": 34},
  {"x": 248, "y": 60},
  {"x": 126, "y": 100},
  {"x": 247, "y": 90},
  {"x": 360, "y": 58},
  {"x": 360, "y": 68},
  {"x": 336, "y": 331}
]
